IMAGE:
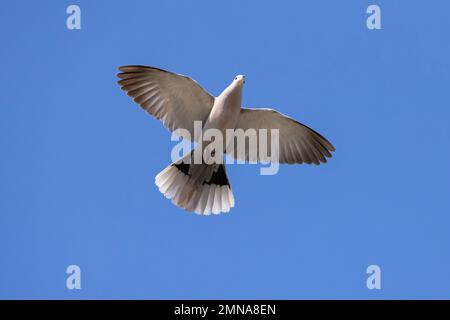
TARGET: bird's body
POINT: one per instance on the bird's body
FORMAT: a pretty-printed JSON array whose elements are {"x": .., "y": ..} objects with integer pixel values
[
  {"x": 179, "y": 101},
  {"x": 227, "y": 107}
]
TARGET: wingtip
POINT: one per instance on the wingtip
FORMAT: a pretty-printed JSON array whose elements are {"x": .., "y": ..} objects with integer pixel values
[
  {"x": 140, "y": 68},
  {"x": 134, "y": 68}
]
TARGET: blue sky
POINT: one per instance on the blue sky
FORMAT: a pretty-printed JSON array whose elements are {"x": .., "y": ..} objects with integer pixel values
[{"x": 78, "y": 158}]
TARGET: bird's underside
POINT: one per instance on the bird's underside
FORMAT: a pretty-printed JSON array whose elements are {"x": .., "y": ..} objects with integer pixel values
[{"x": 178, "y": 101}]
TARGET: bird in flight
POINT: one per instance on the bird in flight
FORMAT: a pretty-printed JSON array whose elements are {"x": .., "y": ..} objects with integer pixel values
[{"x": 179, "y": 101}]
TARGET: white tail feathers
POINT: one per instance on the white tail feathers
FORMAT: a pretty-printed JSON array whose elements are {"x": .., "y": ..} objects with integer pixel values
[{"x": 204, "y": 189}]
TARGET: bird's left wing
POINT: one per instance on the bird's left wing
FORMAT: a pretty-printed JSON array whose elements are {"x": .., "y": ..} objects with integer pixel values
[
  {"x": 297, "y": 142},
  {"x": 174, "y": 99}
]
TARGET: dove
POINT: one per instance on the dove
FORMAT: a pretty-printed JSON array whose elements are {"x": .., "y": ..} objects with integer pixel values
[{"x": 179, "y": 102}]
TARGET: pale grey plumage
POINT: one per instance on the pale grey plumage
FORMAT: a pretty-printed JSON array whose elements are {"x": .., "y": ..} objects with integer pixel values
[
  {"x": 298, "y": 143},
  {"x": 178, "y": 101},
  {"x": 174, "y": 99}
]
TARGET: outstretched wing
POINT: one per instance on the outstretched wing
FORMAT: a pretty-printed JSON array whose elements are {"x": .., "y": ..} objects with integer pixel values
[
  {"x": 174, "y": 99},
  {"x": 297, "y": 142}
]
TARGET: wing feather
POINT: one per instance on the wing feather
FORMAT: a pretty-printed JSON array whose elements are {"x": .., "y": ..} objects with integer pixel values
[
  {"x": 298, "y": 143},
  {"x": 174, "y": 99}
]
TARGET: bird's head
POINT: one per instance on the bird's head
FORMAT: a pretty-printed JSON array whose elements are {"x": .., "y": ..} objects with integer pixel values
[{"x": 239, "y": 79}]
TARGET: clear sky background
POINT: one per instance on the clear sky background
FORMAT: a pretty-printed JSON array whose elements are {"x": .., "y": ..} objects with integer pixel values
[{"x": 78, "y": 157}]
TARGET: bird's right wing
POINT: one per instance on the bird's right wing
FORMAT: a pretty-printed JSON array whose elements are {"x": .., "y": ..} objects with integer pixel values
[
  {"x": 297, "y": 142},
  {"x": 174, "y": 99}
]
